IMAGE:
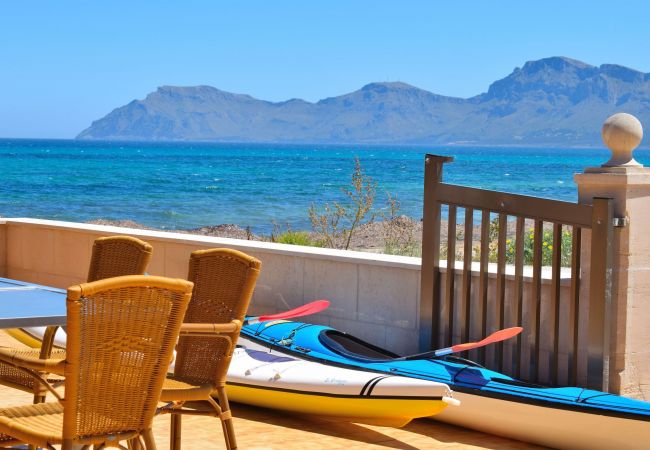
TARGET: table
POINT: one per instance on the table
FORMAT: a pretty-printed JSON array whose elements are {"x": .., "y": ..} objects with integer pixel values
[{"x": 25, "y": 304}]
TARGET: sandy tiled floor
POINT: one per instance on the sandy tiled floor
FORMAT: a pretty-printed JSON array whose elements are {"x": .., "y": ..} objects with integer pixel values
[{"x": 263, "y": 429}]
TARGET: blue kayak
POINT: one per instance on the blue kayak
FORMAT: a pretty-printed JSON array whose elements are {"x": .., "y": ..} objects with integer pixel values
[{"x": 562, "y": 417}]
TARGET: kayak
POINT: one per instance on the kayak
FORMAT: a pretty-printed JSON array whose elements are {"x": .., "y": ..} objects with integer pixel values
[
  {"x": 262, "y": 377},
  {"x": 560, "y": 417},
  {"x": 259, "y": 376}
]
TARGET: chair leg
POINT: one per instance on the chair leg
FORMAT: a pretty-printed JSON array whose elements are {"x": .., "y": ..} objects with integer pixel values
[
  {"x": 149, "y": 443},
  {"x": 227, "y": 423},
  {"x": 175, "y": 432},
  {"x": 134, "y": 444}
]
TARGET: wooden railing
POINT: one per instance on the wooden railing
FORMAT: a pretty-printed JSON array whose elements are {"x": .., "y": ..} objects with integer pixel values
[{"x": 566, "y": 337}]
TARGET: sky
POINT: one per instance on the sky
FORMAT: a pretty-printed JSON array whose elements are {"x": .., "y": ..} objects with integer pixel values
[{"x": 64, "y": 64}]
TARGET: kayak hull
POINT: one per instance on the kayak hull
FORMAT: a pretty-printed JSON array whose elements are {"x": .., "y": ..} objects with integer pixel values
[
  {"x": 270, "y": 380},
  {"x": 551, "y": 427},
  {"x": 389, "y": 412}
]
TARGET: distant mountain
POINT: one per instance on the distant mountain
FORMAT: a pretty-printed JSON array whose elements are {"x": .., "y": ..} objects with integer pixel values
[{"x": 554, "y": 101}]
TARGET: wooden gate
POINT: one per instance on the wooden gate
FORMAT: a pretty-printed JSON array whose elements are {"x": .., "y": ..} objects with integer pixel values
[{"x": 492, "y": 286}]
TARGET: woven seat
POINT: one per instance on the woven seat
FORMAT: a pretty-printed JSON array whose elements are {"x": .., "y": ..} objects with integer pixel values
[
  {"x": 111, "y": 257},
  {"x": 224, "y": 281},
  {"x": 16, "y": 378},
  {"x": 121, "y": 335}
]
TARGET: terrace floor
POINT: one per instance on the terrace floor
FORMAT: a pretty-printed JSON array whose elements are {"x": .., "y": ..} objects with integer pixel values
[{"x": 265, "y": 429}]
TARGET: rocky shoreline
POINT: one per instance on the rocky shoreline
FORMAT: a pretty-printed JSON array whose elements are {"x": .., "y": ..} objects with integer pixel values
[{"x": 401, "y": 235}]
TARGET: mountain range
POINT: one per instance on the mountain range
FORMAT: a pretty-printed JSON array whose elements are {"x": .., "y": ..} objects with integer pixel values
[{"x": 554, "y": 101}]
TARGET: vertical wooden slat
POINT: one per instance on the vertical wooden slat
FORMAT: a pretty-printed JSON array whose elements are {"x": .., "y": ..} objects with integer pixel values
[
  {"x": 483, "y": 278},
  {"x": 600, "y": 294},
  {"x": 448, "y": 308},
  {"x": 536, "y": 296},
  {"x": 430, "y": 272},
  {"x": 501, "y": 285},
  {"x": 574, "y": 306},
  {"x": 518, "y": 301},
  {"x": 465, "y": 310},
  {"x": 556, "y": 267}
]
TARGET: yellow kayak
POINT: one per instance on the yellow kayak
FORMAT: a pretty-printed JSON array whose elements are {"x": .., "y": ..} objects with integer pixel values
[{"x": 260, "y": 377}]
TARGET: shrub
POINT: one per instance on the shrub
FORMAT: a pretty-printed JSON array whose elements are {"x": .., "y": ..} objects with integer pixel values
[
  {"x": 338, "y": 222},
  {"x": 529, "y": 246},
  {"x": 547, "y": 248},
  {"x": 297, "y": 238},
  {"x": 398, "y": 231}
]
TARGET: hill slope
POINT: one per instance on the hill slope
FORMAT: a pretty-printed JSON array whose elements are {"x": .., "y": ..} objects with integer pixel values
[{"x": 553, "y": 101}]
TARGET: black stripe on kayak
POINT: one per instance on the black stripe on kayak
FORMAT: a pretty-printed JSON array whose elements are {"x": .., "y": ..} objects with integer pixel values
[
  {"x": 327, "y": 394},
  {"x": 375, "y": 384},
  {"x": 578, "y": 407},
  {"x": 365, "y": 386}
]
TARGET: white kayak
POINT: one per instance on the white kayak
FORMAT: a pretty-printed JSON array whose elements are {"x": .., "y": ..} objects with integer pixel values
[{"x": 261, "y": 377}]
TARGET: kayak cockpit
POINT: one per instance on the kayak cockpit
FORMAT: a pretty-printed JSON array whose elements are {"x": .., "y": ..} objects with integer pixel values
[{"x": 351, "y": 347}]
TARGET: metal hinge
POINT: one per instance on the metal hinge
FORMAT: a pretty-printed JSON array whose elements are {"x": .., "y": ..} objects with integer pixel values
[{"x": 620, "y": 222}]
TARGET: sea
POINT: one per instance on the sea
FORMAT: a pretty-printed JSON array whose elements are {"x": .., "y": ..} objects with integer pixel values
[{"x": 261, "y": 186}]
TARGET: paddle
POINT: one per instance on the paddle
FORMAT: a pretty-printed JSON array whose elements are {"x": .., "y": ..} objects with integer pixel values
[
  {"x": 497, "y": 336},
  {"x": 304, "y": 310}
]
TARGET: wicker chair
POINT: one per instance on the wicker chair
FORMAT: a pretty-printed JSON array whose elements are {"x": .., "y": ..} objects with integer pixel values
[
  {"x": 111, "y": 257},
  {"x": 224, "y": 280},
  {"x": 121, "y": 336}
]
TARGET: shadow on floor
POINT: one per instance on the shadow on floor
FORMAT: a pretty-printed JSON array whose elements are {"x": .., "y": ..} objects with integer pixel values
[
  {"x": 446, "y": 433},
  {"x": 422, "y": 433},
  {"x": 313, "y": 424}
]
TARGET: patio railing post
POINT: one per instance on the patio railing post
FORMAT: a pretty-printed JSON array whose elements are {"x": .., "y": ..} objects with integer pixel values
[
  {"x": 600, "y": 298},
  {"x": 430, "y": 278}
]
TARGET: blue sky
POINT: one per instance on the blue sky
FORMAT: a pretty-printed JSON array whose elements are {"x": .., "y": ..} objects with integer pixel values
[{"x": 64, "y": 64}]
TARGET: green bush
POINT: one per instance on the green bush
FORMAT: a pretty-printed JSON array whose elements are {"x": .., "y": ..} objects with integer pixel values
[
  {"x": 529, "y": 246},
  {"x": 566, "y": 241},
  {"x": 297, "y": 238}
]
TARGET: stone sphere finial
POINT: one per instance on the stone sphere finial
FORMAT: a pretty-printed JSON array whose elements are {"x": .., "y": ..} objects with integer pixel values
[{"x": 622, "y": 133}]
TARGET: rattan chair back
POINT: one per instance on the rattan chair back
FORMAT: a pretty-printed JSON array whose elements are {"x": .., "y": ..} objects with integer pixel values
[
  {"x": 111, "y": 257},
  {"x": 114, "y": 256},
  {"x": 224, "y": 280},
  {"x": 121, "y": 335}
]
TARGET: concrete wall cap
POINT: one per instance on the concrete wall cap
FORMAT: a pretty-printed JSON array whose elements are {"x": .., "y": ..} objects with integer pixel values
[{"x": 621, "y": 179}]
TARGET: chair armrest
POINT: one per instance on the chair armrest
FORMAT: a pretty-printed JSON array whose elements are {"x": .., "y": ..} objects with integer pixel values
[
  {"x": 210, "y": 329},
  {"x": 18, "y": 358}
]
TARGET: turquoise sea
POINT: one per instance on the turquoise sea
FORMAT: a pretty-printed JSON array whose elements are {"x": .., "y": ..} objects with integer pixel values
[{"x": 188, "y": 185}]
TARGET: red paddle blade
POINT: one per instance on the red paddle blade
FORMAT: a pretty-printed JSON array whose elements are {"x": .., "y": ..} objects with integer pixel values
[
  {"x": 310, "y": 308},
  {"x": 497, "y": 336}
]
